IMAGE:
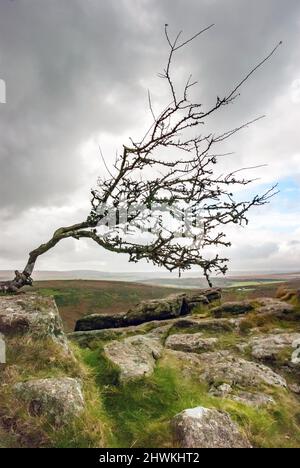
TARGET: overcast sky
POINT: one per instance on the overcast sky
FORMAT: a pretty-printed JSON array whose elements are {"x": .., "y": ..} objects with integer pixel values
[{"x": 77, "y": 74}]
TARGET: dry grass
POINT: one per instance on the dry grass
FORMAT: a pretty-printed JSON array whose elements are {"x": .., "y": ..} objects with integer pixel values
[
  {"x": 135, "y": 414},
  {"x": 33, "y": 359}
]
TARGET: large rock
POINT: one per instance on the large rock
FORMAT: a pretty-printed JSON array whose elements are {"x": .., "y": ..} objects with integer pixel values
[
  {"x": 233, "y": 308},
  {"x": 100, "y": 322},
  {"x": 269, "y": 347},
  {"x": 59, "y": 400},
  {"x": 199, "y": 324},
  {"x": 256, "y": 400},
  {"x": 84, "y": 338},
  {"x": 31, "y": 314},
  {"x": 220, "y": 367},
  {"x": 161, "y": 309},
  {"x": 157, "y": 309},
  {"x": 275, "y": 308},
  {"x": 212, "y": 294},
  {"x": 224, "y": 367},
  {"x": 193, "y": 343},
  {"x": 253, "y": 399},
  {"x": 135, "y": 356},
  {"x": 192, "y": 323},
  {"x": 206, "y": 428}
]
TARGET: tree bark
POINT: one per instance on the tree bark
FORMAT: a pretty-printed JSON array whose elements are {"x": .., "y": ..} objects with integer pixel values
[{"x": 13, "y": 286}]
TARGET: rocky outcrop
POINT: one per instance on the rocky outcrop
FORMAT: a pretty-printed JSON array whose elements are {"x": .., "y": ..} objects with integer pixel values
[
  {"x": 270, "y": 346},
  {"x": 256, "y": 400},
  {"x": 223, "y": 367},
  {"x": 32, "y": 315},
  {"x": 262, "y": 306},
  {"x": 191, "y": 323},
  {"x": 212, "y": 294},
  {"x": 59, "y": 399},
  {"x": 253, "y": 399},
  {"x": 206, "y": 428},
  {"x": 191, "y": 343},
  {"x": 158, "y": 309},
  {"x": 233, "y": 308},
  {"x": 205, "y": 350},
  {"x": 84, "y": 338},
  {"x": 135, "y": 356},
  {"x": 162, "y": 309},
  {"x": 274, "y": 307},
  {"x": 214, "y": 325}
]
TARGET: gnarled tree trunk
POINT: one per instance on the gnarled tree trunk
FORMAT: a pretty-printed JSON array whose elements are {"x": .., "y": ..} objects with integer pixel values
[
  {"x": 24, "y": 278},
  {"x": 20, "y": 280}
]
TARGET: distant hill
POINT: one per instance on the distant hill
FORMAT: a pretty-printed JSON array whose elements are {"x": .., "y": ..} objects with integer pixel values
[
  {"x": 80, "y": 274},
  {"x": 189, "y": 279}
]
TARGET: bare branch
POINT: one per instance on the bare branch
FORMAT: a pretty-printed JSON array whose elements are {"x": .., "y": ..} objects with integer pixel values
[
  {"x": 170, "y": 172},
  {"x": 259, "y": 65}
]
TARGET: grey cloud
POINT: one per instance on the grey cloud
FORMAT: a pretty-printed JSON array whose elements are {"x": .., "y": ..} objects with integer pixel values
[
  {"x": 60, "y": 60},
  {"x": 244, "y": 33},
  {"x": 259, "y": 251},
  {"x": 63, "y": 60}
]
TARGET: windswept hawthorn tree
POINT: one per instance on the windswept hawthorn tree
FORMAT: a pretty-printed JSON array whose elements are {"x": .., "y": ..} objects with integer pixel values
[{"x": 139, "y": 209}]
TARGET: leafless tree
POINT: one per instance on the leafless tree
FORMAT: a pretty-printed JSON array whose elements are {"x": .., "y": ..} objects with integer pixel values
[{"x": 173, "y": 166}]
